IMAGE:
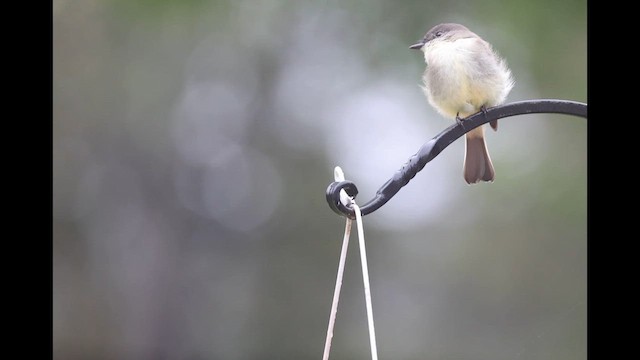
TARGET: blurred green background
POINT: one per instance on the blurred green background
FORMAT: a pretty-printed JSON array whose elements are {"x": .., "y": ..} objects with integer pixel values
[{"x": 193, "y": 141}]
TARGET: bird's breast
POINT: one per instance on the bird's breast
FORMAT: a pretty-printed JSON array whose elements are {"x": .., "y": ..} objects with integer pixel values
[{"x": 452, "y": 79}]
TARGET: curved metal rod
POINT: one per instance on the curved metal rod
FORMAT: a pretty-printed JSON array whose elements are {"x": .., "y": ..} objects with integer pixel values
[{"x": 433, "y": 147}]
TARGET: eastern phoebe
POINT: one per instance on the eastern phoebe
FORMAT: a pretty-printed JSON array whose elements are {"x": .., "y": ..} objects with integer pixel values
[{"x": 464, "y": 75}]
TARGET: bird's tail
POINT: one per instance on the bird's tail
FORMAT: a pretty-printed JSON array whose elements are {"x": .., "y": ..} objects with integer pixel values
[{"x": 477, "y": 163}]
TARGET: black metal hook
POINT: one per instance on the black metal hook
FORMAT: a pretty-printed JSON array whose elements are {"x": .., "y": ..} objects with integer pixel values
[{"x": 433, "y": 147}]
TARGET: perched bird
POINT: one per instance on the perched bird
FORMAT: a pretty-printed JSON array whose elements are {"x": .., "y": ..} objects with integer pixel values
[{"x": 464, "y": 75}]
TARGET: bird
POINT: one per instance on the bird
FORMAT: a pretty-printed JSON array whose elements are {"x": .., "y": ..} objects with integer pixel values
[{"x": 465, "y": 75}]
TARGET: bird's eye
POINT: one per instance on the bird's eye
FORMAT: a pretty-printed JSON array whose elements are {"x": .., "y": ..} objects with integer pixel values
[{"x": 439, "y": 33}]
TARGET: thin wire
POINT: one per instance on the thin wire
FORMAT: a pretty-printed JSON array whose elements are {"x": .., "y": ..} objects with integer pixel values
[{"x": 365, "y": 278}]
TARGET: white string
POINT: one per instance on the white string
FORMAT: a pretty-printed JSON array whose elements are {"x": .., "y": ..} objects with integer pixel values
[
  {"x": 365, "y": 278},
  {"x": 336, "y": 292},
  {"x": 339, "y": 176}
]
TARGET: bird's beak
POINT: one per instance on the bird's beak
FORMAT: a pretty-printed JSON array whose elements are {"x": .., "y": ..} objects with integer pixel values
[{"x": 417, "y": 46}]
